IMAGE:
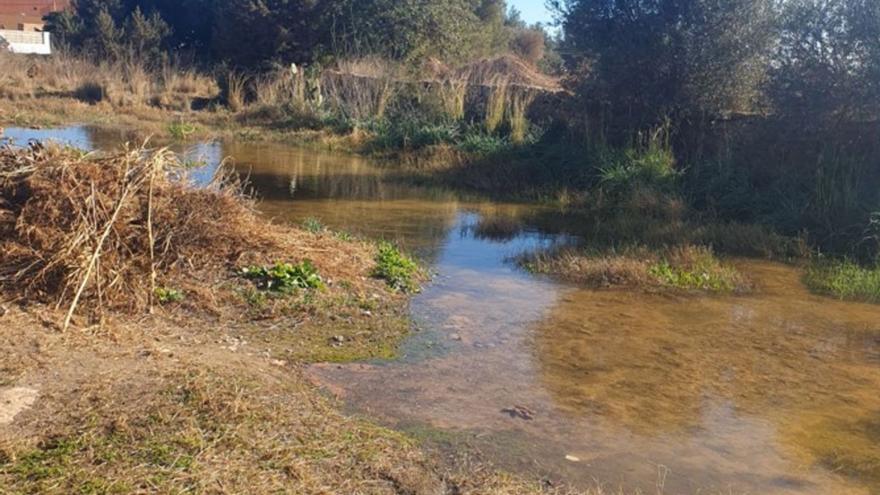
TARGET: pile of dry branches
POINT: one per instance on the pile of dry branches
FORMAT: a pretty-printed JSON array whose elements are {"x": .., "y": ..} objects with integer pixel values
[{"x": 102, "y": 231}]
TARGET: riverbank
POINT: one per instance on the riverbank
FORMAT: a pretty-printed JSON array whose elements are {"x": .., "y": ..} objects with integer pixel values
[{"x": 166, "y": 366}]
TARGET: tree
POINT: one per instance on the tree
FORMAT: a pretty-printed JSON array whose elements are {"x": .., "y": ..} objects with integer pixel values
[
  {"x": 642, "y": 61},
  {"x": 827, "y": 62}
]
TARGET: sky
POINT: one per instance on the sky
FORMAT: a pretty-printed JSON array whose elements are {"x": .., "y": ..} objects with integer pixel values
[{"x": 532, "y": 10}]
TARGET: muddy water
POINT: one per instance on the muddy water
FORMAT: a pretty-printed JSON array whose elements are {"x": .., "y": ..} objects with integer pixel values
[{"x": 776, "y": 392}]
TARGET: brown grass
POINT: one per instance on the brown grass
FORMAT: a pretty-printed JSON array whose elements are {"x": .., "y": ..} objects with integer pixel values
[
  {"x": 104, "y": 231},
  {"x": 126, "y": 83}
]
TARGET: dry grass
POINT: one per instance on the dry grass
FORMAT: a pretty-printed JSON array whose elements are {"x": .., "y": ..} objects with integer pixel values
[
  {"x": 123, "y": 84},
  {"x": 104, "y": 232},
  {"x": 362, "y": 89},
  {"x": 496, "y": 105},
  {"x": 136, "y": 415}
]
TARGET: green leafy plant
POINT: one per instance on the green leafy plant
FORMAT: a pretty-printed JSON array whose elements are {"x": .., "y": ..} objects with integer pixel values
[
  {"x": 285, "y": 278},
  {"x": 396, "y": 268},
  {"x": 313, "y": 225},
  {"x": 167, "y": 295},
  {"x": 181, "y": 130}
]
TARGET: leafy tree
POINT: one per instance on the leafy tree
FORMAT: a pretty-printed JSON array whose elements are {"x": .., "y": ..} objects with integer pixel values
[
  {"x": 641, "y": 61},
  {"x": 827, "y": 62},
  {"x": 409, "y": 29}
]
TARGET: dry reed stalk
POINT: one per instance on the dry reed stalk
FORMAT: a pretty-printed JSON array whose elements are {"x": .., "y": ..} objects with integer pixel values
[
  {"x": 496, "y": 103},
  {"x": 127, "y": 189}
]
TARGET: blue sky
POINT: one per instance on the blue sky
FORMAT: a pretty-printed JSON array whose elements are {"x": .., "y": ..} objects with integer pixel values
[{"x": 532, "y": 10}]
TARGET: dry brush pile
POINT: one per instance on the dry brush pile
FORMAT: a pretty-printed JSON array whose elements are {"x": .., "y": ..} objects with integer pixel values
[{"x": 96, "y": 232}]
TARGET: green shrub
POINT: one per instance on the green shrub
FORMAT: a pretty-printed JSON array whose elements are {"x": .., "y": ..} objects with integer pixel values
[
  {"x": 844, "y": 280},
  {"x": 397, "y": 269},
  {"x": 652, "y": 167},
  {"x": 284, "y": 277}
]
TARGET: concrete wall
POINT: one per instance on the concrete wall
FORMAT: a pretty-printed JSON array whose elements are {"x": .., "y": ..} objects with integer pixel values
[{"x": 27, "y": 42}]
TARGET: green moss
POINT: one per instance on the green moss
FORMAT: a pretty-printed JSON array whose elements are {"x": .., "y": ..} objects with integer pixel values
[{"x": 844, "y": 280}]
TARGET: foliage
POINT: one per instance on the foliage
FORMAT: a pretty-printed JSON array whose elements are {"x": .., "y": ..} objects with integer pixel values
[
  {"x": 651, "y": 165},
  {"x": 844, "y": 279},
  {"x": 166, "y": 295},
  {"x": 645, "y": 61},
  {"x": 706, "y": 275},
  {"x": 827, "y": 63},
  {"x": 397, "y": 269},
  {"x": 284, "y": 31},
  {"x": 285, "y": 278},
  {"x": 181, "y": 130},
  {"x": 313, "y": 225}
]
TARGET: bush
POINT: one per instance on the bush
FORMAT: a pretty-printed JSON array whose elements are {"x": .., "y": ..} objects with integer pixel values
[
  {"x": 284, "y": 277},
  {"x": 652, "y": 167},
  {"x": 397, "y": 269}
]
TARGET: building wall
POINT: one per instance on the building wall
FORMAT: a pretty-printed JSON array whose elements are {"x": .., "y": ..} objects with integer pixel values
[{"x": 27, "y": 42}]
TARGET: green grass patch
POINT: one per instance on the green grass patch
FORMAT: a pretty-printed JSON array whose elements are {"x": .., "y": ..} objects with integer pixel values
[
  {"x": 396, "y": 268},
  {"x": 844, "y": 279}
]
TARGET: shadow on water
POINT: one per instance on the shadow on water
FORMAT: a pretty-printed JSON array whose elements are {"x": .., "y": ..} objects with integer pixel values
[{"x": 775, "y": 392}]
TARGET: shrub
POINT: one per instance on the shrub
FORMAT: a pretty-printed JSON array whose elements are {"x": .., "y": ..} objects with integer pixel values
[
  {"x": 397, "y": 269},
  {"x": 284, "y": 277},
  {"x": 651, "y": 166}
]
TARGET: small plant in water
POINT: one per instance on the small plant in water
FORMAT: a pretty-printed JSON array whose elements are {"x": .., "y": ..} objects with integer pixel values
[
  {"x": 285, "y": 278},
  {"x": 167, "y": 295},
  {"x": 397, "y": 269},
  {"x": 181, "y": 130},
  {"x": 313, "y": 225}
]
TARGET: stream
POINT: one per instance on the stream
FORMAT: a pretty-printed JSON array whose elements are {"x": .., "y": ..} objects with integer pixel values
[{"x": 772, "y": 392}]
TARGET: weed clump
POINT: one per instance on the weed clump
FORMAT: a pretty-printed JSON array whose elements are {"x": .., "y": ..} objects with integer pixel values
[
  {"x": 681, "y": 268},
  {"x": 167, "y": 295},
  {"x": 844, "y": 280},
  {"x": 398, "y": 270},
  {"x": 695, "y": 269},
  {"x": 285, "y": 278}
]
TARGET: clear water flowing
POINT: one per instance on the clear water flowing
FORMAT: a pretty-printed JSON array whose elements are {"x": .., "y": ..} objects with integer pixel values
[{"x": 775, "y": 392}]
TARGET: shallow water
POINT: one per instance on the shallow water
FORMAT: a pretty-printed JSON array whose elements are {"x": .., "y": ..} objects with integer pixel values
[{"x": 776, "y": 392}]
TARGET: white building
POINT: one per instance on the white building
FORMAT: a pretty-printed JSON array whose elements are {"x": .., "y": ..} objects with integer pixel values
[{"x": 27, "y": 42}]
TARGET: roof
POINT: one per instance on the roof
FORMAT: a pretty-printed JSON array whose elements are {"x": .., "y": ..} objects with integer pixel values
[{"x": 16, "y": 12}]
